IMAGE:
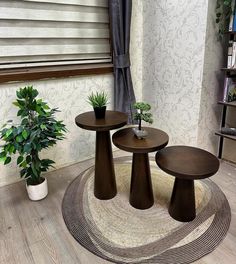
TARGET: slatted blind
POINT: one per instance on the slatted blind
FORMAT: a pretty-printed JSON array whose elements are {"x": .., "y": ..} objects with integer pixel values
[{"x": 53, "y": 32}]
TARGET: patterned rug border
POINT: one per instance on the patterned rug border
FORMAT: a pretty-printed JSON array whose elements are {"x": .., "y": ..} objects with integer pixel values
[{"x": 81, "y": 232}]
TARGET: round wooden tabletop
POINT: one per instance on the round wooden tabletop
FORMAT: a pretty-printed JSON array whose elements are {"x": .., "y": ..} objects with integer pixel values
[
  {"x": 112, "y": 120},
  {"x": 187, "y": 162},
  {"x": 126, "y": 140}
]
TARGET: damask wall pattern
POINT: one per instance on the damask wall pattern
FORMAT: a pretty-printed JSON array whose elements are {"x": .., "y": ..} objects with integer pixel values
[
  {"x": 212, "y": 85},
  {"x": 173, "y": 58}
]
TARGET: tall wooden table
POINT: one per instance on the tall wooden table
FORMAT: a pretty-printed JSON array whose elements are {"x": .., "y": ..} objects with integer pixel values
[
  {"x": 141, "y": 194},
  {"x": 104, "y": 183}
]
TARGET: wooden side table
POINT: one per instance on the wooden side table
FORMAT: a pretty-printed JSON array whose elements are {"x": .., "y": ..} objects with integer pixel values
[
  {"x": 104, "y": 183},
  {"x": 186, "y": 164},
  {"x": 141, "y": 194}
]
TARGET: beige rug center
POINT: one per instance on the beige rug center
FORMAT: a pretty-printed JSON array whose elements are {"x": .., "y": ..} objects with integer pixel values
[{"x": 126, "y": 226}]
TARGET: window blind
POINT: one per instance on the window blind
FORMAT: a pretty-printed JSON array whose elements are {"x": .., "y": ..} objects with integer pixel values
[{"x": 53, "y": 32}]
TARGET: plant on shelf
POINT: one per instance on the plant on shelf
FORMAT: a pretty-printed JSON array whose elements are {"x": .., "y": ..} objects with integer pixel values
[
  {"x": 98, "y": 101},
  {"x": 38, "y": 129},
  {"x": 142, "y": 114},
  {"x": 223, "y": 12}
]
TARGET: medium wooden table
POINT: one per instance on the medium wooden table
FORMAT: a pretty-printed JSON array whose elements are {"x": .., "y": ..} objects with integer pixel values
[
  {"x": 186, "y": 164},
  {"x": 104, "y": 183},
  {"x": 141, "y": 194}
]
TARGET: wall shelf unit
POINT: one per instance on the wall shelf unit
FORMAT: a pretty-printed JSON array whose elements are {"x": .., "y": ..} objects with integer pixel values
[{"x": 223, "y": 119}]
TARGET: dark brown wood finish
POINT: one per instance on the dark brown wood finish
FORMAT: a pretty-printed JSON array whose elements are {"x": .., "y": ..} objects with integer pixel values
[
  {"x": 104, "y": 182},
  {"x": 36, "y": 73},
  {"x": 126, "y": 140},
  {"x": 186, "y": 164},
  {"x": 182, "y": 203},
  {"x": 141, "y": 194},
  {"x": 112, "y": 120}
]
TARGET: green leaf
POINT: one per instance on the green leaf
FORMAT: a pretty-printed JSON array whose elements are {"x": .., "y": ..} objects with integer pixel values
[
  {"x": 16, "y": 104},
  {"x": 46, "y": 107},
  {"x": 25, "y": 134},
  {"x": 28, "y": 159},
  {"x": 19, "y": 113},
  {"x": 11, "y": 149},
  {"x": 23, "y": 164},
  {"x": 24, "y": 121},
  {"x": 27, "y": 147},
  {"x": 2, "y": 154},
  {"x": 43, "y": 127},
  {"x": 34, "y": 93},
  {"x": 21, "y": 103},
  {"x": 19, "y": 139},
  {"x": 20, "y": 159},
  {"x": 8, "y": 133},
  {"x": 22, "y": 172},
  {"x": 19, "y": 130},
  {"x": 18, "y": 94},
  {"x": 2, "y": 159},
  {"x": 7, "y": 160}
]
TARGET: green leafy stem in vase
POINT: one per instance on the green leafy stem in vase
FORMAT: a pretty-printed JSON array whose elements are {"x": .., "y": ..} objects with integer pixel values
[{"x": 37, "y": 130}]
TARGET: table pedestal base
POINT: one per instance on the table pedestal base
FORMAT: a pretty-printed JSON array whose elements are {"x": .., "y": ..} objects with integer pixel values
[
  {"x": 104, "y": 183},
  {"x": 141, "y": 194},
  {"x": 182, "y": 203}
]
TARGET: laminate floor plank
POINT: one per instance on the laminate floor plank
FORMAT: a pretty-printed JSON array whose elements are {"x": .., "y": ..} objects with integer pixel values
[{"x": 35, "y": 232}]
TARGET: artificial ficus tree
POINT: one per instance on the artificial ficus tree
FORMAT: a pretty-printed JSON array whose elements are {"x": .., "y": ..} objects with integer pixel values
[{"x": 38, "y": 129}]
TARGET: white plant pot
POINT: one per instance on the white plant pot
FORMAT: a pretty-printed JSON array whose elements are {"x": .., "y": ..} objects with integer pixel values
[{"x": 37, "y": 192}]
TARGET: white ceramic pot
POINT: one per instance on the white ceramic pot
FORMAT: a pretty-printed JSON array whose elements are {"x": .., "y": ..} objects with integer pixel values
[{"x": 37, "y": 192}]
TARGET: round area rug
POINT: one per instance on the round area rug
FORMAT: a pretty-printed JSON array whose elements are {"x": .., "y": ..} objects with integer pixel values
[{"x": 114, "y": 230}]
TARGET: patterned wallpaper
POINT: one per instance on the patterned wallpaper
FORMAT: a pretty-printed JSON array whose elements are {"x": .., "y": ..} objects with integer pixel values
[
  {"x": 212, "y": 86},
  {"x": 181, "y": 72},
  {"x": 174, "y": 38},
  {"x": 136, "y": 48}
]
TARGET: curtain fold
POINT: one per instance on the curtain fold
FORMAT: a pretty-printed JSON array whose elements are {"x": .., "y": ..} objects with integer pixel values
[{"x": 120, "y": 21}]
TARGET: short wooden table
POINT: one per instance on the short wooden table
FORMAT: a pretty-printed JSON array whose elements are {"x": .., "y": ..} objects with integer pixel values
[
  {"x": 104, "y": 183},
  {"x": 186, "y": 164},
  {"x": 141, "y": 194}
]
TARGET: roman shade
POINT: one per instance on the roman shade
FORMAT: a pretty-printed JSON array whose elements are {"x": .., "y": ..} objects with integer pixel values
[{"x": 53, "y": 32}]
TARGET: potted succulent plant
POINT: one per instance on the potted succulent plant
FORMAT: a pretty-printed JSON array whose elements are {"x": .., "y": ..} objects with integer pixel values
[
  {"x": 142, "y": 114},
  {"x": 99, "y": 101},
  {"x": 37, "y": 130}
]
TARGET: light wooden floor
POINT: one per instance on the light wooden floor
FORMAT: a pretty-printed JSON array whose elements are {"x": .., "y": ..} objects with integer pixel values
[{"x": 34, "y": 232}]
